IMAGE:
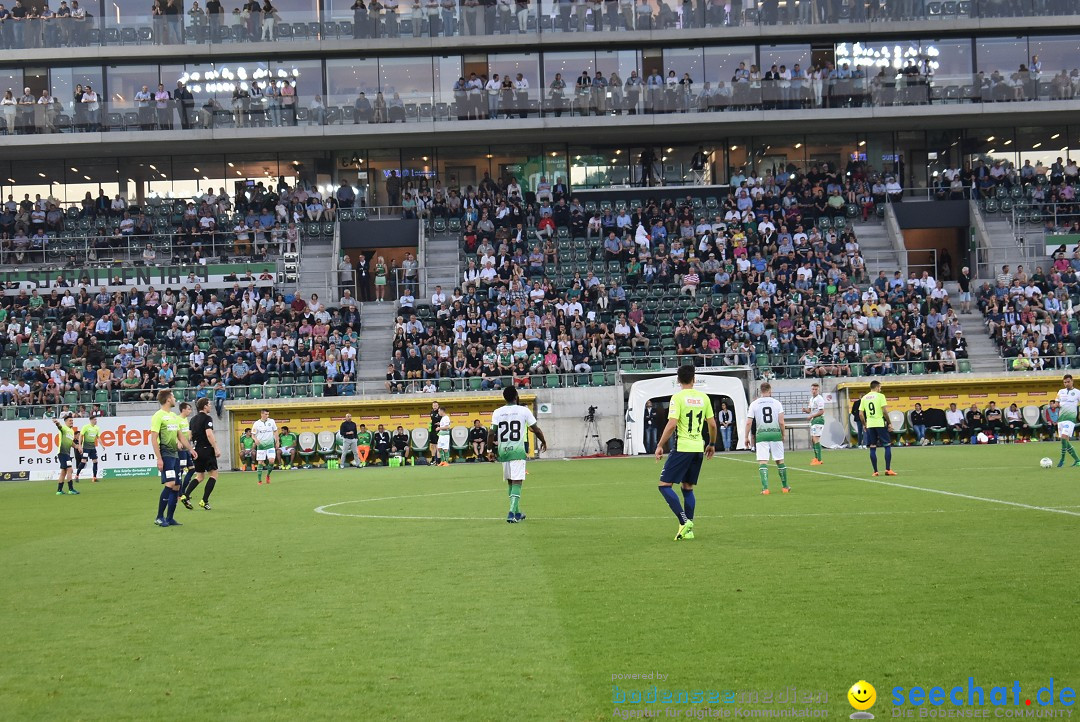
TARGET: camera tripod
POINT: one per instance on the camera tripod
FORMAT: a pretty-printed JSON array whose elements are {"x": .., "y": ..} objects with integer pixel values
[{"x": 591, "y": 438}]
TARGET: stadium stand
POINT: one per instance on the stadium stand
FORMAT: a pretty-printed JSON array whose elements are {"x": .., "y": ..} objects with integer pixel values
[
  {"x": 258, "y": 227},
  {"x": 1029, "y": 313},
  {"x": 555, "y": 290}
]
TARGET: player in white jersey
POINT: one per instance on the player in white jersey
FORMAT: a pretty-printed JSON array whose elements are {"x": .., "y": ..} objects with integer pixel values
[
  {"x": 1069, "y": 399},
  {"x": 444, "y": 440},
  {"x": 267, "y": 442},
  {"x": 766, "y": 414},
  {"x": 816, "y": 409},
  {"x": 507, "y": 438}
]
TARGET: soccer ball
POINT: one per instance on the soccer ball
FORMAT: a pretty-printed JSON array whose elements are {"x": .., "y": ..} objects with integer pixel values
[
  {"x": 1046, "y": 462},
  {"x": 982, "y": 438}
]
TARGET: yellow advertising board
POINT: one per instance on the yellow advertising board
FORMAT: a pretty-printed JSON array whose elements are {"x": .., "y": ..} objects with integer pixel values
[{"x": 410, "y": 412}]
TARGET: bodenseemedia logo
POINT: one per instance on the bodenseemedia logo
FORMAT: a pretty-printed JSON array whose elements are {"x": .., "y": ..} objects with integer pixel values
[{"x": 973, "y": 694}]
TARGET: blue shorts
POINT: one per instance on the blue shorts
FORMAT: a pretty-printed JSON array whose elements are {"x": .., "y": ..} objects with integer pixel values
[
  {"x": 185, "y": 459},
  {"x": 682, "y": 467},
  {"x": 90, "y": 453},
  {"x": 65, "y": 461},
  {"x": 878, "y": 436},
  {"x": 170, "y": 469}
]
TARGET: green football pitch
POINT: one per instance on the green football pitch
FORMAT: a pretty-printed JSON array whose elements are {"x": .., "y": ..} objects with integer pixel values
[{"x": 401, "y": 594}]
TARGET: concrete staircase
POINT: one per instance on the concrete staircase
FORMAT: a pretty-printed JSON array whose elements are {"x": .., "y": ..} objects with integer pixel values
[
  {"x": 440, "y": 266},
  {"x": 982, "y": 351},
  {"x": 316, "y": 265},
  {"x": 876, "y": 247},
  {"x": 376, "y": 339}
]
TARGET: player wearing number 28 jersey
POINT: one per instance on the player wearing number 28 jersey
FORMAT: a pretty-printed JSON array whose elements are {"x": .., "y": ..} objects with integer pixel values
[
  {"x": 688, "y": 411},
  {"x": 510, "y": 425}
]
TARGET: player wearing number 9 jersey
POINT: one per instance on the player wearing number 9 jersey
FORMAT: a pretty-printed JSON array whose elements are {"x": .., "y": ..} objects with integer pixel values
[
  {"x": 875, "y": 415},
  {"x": 510, "y": 425},
  {"x": 767, "y": 414},
  {"x": 688, "y": 412}
]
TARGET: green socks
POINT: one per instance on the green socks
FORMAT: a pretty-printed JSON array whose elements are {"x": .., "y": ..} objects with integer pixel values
[
  {"x": 763, "y": 472},
  {"x": 817, "y": 451},
  {"x": 783, "y": 474},
  {"x": 1067, "y": 447},
  {"x": 515, "y": 497}
]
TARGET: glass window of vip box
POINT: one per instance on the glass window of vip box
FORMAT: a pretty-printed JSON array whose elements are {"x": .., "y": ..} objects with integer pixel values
[{"x": 347, "y": 79}]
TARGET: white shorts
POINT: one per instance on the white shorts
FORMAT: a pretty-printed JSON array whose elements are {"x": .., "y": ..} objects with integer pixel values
[
  {"x": 766, "y": 448},
  {"x": 514, "y": 470},
  {"x": 286, "y": 450},
  {"x": 816, "y": 429},
  {"x": 444, "y": 443},
  {"x": 1065, "y": 428},
  {"x": 265, "y": 455}
]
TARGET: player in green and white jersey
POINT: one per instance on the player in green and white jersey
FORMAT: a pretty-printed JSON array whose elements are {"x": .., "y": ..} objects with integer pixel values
[
  {"x": 768, "y": 415},
  {"x": 510, "y": 425},
  {"x": 443, "y": 444},
  {"x": 267, "y": 441},
  {"x": 288, "y": 447},
  {"x": 247, "y": 450},
  {"x": 816, "y": 409},
  {"x": 1068, "y": 399}
]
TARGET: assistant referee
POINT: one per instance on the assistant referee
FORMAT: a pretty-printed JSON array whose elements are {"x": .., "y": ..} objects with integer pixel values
[{"x": 201, "y": 428}]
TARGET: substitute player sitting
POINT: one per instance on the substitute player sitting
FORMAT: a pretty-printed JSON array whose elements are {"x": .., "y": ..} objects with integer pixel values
[
  {"x": 688, "y": 412},
  {"x": 288, "y": 448},
  {"x": 768, "y": 415}
]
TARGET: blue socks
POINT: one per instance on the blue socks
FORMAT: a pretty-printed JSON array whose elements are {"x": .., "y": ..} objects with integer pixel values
[
  {"x": 888, "y": 458},
  {"x": 672, "y": 500},
  {"x": 688, "y": 502},
  {"x": 873, "y": 457},
  {"x": 187, "y": 481},
  {"x": 163, "y": 502},
  {"x": 174, "y": 496}
]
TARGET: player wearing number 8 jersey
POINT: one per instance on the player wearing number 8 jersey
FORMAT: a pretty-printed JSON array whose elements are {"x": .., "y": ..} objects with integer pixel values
[
  {"x": 506, "y": 440},
  {"x": 875, "y": 416},
  {"x": 767, "y": 416},
  {"x": 1068, "y": 398},
  {"x": 688, "y": 412}
]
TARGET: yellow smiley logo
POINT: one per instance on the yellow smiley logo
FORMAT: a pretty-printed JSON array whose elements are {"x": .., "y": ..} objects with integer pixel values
[{"x": 862, "y": 695}]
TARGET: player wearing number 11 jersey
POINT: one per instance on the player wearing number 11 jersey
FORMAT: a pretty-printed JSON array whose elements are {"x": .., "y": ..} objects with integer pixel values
[
  {"x": 688, "y": 411},
  {"x": 506, "y": 441}
]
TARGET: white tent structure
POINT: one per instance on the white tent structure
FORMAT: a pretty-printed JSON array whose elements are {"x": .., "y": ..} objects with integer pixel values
[{"x": 712, "y": 384}]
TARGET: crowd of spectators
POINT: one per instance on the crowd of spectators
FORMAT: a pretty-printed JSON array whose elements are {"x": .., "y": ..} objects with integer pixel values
[
  {"x": 70, "y": 24},
  {"x": 275, "y": 102},
  {"x": 1036, "y": 187},
  {"x": 255, "y": 224},
  {"x": 771, "y": 275},
  {"x": 79, "y": 343},
  {"x": 1031, "y": 316}
]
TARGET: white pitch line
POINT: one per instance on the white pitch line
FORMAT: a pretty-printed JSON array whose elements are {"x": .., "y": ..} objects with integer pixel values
[
  {"x": 633, "y": 518},
  {"x": 324, "y": 509},
  {"x": 1031, "y": 507}
]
